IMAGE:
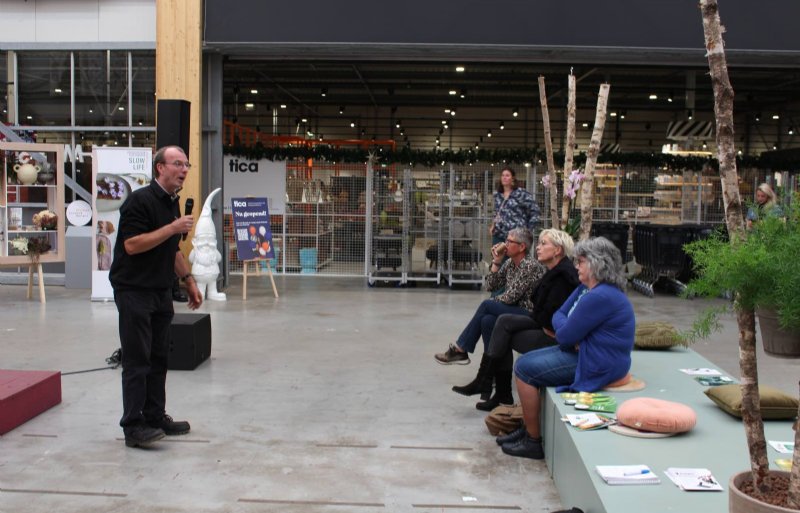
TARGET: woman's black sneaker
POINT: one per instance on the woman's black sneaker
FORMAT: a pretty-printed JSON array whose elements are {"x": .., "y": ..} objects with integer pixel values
[{"x": 512, "y": 436}]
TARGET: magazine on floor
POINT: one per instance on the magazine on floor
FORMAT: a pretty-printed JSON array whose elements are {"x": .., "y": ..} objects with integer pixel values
[{"x": 713, "y": 381}]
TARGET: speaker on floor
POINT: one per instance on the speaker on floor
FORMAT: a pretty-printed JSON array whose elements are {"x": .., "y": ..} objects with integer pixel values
[
  {"x": 190, "y": 343},
  {"x": 172, "y": 124}
]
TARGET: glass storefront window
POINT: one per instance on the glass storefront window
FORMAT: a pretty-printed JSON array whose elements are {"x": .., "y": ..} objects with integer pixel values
[
  {"x": 143, "y": 89},
  {"x": 44, "y": 88},
  {"x": 101, "y": 88}
]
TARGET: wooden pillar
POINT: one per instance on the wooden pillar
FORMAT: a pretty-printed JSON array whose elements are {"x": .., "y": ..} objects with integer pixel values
[{"x": 179, "y": 58}]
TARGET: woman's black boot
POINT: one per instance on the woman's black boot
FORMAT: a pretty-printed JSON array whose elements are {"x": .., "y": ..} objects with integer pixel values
[
  {"x": 502, "y": 391},
  {"x": 482, "y": 384}
]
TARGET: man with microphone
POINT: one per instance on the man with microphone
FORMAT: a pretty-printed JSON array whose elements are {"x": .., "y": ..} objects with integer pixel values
[{"x": 146, "y": 258}]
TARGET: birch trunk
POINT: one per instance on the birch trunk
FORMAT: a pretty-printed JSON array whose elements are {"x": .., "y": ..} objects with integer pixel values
[
  {"x": 587, "y": 188},
  {"x": 570, "y": 149},
  {"x": 551, "y": 167},
  {"x": 745, "y": 318}
]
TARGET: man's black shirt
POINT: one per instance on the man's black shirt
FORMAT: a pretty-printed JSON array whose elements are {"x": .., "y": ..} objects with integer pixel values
[{"x": 145, "y": 210}]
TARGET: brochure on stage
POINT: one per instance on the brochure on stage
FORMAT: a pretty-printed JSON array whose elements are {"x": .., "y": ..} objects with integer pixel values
[
  {"x": 627, "y": 474},
  {"x": 701, "y": 372},
  {"x": 782, "y": 447},
  {"x": 588, "y": 421},
  {"x": 694, "y": 479},
  {"x": 713, "y": 381}
]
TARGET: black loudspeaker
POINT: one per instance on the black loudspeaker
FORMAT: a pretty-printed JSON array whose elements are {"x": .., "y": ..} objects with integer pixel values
[
  {"x": 190, "y": 343},
  {"x": 172, "y": 124}
]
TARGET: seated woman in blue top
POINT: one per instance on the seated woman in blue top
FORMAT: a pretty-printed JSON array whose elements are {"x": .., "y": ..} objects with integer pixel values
[{"x": 594, "y": 330}]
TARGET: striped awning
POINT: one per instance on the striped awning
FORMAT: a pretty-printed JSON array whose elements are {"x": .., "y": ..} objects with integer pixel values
[
  {"x": 609, "y": 148},
  {"x": 684, "y": 130}
]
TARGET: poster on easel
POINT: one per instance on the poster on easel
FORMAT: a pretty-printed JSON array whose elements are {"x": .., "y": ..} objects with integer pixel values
[
  {"x": 116, "y": 173},
  {"x": 253, "y": 235}
]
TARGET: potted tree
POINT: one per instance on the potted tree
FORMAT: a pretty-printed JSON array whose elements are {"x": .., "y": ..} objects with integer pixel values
[{"x": 747, "y": 293}]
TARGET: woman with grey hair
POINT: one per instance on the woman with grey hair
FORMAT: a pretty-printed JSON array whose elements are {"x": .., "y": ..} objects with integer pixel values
[
  {"x": 594, "y": 329},
  {"x": 516, "y": 276}
]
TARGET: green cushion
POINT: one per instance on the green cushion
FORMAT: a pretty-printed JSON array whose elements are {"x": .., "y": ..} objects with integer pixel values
[
  {"x": 656, "y": 335},
  {"x": 774, "y": 403}
]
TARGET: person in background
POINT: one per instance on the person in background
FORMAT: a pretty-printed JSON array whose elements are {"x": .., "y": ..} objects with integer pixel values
[
  {"x": 594, "y": 329},
  {"x": 514, "y": 207},
  {"x": 525, "y": 333},
  {"x": 146, "y": 260},
  {"x": 517, "y": 275},
  {"x": 766, "y": 205}
]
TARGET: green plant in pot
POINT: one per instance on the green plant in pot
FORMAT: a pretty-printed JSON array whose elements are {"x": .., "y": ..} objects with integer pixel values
[
  {"x": 750, "y": 276},
  {"x": 762, "y": 270}
]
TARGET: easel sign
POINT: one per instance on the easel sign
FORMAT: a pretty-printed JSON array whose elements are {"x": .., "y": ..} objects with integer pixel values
[{"x": 253, "y": 236}]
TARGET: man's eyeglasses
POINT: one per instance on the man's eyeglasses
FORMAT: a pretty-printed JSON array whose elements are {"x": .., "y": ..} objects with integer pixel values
[
  {"x": 178, "y": 163},
  {"x": 509, "y": 241}
]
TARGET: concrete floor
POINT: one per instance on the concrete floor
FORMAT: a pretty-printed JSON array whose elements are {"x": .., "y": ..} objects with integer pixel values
[{"x": 325, "y": 400}]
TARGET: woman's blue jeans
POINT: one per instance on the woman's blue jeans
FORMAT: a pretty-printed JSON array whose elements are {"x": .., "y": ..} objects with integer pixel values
[
  {"x": 482, "y": 323},
  {"x": 548, "y": 367}
]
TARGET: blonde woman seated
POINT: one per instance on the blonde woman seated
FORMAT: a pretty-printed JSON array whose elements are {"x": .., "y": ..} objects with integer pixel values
[
  {"x": 525, "y": 333},
  {"x": 594, "y": 329}
]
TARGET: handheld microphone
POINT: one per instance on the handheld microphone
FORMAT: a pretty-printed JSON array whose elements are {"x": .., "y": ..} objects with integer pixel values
[{"x": 187, "y": 208}]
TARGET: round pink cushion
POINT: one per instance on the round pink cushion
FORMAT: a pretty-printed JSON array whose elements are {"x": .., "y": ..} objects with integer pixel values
[{"x": 656, "y": 415}]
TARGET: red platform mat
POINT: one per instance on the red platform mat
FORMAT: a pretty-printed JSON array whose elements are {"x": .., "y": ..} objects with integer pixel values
[{"x": 26, "y": 394}]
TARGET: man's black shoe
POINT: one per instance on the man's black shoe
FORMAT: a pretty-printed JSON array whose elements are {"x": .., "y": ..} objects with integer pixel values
[
  {"x": 180, "y": 297},
  {"x": 142, "y": 436},
  {"x": 169, "y": 426},
  {"x": 525, "y": 447}
]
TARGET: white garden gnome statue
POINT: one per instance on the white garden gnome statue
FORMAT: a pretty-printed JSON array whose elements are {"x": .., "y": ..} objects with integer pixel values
[{"x": 205, "y": 257}]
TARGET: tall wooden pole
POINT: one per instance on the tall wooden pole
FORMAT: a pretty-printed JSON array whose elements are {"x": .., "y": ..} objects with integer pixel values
[
  {"x": 587, "y": 187},
  {"x": 569, "y": 151},
  {"x": 745, "y": 318},
  {"x": 551, "y": 167},
  {"x": 179, "y": 57}
]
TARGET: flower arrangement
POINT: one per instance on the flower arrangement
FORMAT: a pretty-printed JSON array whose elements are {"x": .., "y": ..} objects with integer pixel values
[
  {"x": 33, "y": 247},
  {"x": 45, "y": 220}
]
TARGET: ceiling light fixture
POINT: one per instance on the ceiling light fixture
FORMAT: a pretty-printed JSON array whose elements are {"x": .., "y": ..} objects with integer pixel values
[
  {"x": 447, "y": 111},
  {"x": 249, "y": 105},
  {"x": 502, "y": 126},
  {"x": 515, "y": 112},
  {"x": 585, "y": 125},
  {"x": 653, "y": 97},
  {"x": 341, "y": 110},
  {"x": 253, "y": 91},
  {"x": 690, "y": 114},
  {"x": 453, "y": 112},
  {"x": 613, "y": 114},
  {"x": 452, "y": 92},
  {"x": 324, "y": 92},
  {"x": 460, "y": 69},
  {"x": 397, "y": 125},
  {"x": 776, "y": 116},
  {"x": 283, "y": 105},
  {"x": 304, "y": 120},
  {"x": 463, "y": 93},
  {"x": 352, "y": 124},
  {"x": 489, "y": 133},
  {"x": 57, "y": 89}
]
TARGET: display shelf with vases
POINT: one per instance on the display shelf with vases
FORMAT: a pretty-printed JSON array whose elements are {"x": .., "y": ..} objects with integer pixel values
[{"x": 32, "y": 204}]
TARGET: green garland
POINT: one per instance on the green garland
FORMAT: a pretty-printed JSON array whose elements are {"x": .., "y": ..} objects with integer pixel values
[{"x": 433, "y": 158}]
